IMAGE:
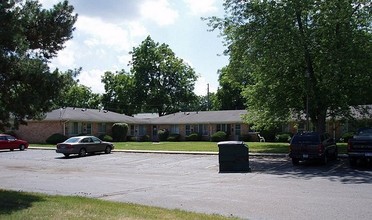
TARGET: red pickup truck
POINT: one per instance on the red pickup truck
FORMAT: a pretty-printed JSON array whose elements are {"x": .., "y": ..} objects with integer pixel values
[{"x": 360, "y": 146}]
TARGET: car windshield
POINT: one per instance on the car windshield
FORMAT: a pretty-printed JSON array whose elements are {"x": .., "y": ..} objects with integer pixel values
[
  {"x": 365, "y": 132},
  {"x": 73, "y": 140}
]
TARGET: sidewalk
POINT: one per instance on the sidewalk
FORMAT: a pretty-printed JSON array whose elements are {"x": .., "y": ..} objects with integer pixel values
[{"x": 177, "y": 152}]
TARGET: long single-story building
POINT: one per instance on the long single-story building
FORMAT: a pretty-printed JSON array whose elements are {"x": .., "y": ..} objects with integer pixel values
[{"x": 74, "y": 121}]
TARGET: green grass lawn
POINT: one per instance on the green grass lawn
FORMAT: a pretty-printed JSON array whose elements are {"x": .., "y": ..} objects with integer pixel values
[
  {"x": 23, "y": 205},
  {"x": 254, "y": 147}
]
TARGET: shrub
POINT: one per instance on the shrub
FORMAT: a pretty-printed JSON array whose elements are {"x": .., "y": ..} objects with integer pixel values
[
  {"x": 346, "y": 136},
  {"x": 283, "y": 137},
  {"x": 56, "y": 138},
  {"x": 119, "y": 131},
  {"x": 245, "y": 138},
  {"x": 174, "y": 137},
  {"x": 132, "y": 138},
  {"x": 219, "y": 136},
  {"x": 193, "y": 137},
  {"x": 105, "y": 137},
  {"x": 144, "y": 138},
  {"x": 163, "y": 134}
]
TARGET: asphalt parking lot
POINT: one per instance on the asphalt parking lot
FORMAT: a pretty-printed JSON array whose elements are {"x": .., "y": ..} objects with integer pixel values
[{"x": 273, "y": 190}]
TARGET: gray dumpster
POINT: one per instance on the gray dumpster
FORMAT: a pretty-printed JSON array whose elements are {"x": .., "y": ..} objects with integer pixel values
[{"x": 233, "y": 156}]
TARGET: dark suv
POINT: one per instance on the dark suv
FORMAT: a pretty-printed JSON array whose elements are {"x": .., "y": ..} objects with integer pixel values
[{"x": 312, "y": 145}]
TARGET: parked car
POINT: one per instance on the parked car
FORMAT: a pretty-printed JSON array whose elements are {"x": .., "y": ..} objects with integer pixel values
[
  {"x": 360, "y": 146},
  {"x": 10, "y": 142},
  {"x": 312, "y": 145},
  {"x": 82, "y": 145}
]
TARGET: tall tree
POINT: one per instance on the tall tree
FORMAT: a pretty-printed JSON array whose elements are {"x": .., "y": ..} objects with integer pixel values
[
  {"x": 230, "y": 92},
  {"x": 302, "y": 56},
  {"x": 163, "y": 82},
  {"x": 29, "y": 37},
  {"x": 74, "y": 94},
  {"x": 120, "y": 92}
]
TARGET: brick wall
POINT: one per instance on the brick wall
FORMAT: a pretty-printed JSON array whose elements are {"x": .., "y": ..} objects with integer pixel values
[{"x": 38, "y": 132}]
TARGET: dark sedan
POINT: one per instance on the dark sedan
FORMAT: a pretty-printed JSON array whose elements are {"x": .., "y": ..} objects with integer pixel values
[
  {"x": 10, "y": 142},
  {"x": 82, "y": 145}
]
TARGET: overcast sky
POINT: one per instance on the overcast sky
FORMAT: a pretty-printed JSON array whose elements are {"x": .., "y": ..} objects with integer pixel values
[{"x": 107, "y": 30}]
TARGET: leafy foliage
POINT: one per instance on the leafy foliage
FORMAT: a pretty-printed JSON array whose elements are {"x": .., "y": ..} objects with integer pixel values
[
  {"x": 105, "y": 137},
  {"x": 29, "y": 37},
  {"x": 120, "y": 92},
  {"x": 163, "y": 134},
  {"x": 56, "y": 138},
  {"x": 174, "y": 137},
  {"x": 193, "y": 137},
  {"x": 288, "y": 52},
  {"x": 119, "y": 131},
  {"x": 74, "y": 94},
  {"x": 219, "y": 136},
  {"x": 162, "y": 82}
]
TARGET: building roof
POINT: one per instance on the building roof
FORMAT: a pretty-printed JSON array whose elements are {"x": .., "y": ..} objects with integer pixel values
[
  {"x": 202, "y": 117},
  {"x": 89, "y": 115},
  {"x": 95, "y": 115}
]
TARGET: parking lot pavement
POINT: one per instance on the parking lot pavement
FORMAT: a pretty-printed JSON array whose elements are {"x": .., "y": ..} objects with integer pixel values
[{"x": 273, "y": 190}]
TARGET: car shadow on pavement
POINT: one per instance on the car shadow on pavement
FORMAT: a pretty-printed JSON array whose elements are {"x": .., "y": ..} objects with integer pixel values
[
  {"x": 336, "y": 171},
  {"x": 75, "y": 156}
]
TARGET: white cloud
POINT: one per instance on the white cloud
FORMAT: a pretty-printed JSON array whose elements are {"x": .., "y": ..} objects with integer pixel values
[
  {"x": 201, "y": 87},
  {"x": 159, "y": 11},
  {"x": 200, "y": 7},
  {"x": 101, "y": 33},
  {"x": 92, "y": 79},
  {"x": 124, "y": 59},
  {"x": 48, "y": 3},
  {"x": 66, "y": 58}
]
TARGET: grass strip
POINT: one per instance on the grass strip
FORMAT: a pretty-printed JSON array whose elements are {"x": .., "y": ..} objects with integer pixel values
[
  {"x": 24, "y": 205},
  {"x": 254, "y": 147}
]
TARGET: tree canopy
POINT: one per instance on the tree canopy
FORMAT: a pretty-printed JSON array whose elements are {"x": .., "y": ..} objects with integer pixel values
[
  {"x": 29, "y": 37},
  {"x": 120, "y": 92},
  {"x": 299, "y": 57},
  {"x": 162, "y": 82},
  {"x": 74, "y": 94}
]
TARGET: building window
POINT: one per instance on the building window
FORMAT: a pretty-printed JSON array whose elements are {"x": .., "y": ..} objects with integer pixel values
[
  {"x": 224, "y": 127},
  {"x": 201, "y": 129},
  {"x": 174, "y": 129},
  {"x": 88, "y": 128},
  {"x": 132, "y": 130},
  {"x": 102, "y": 128},
  {"x": 237, "y": 129},
  {"x": 142, "y": 130},
  {"x": 188, "y": 130},
  {"x": 75, "y": 128}
]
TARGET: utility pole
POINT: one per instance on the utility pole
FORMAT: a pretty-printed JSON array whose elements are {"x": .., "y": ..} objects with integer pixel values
[
  {"x": 307, "y": 100},
  {"x": 208, "y": 97}
]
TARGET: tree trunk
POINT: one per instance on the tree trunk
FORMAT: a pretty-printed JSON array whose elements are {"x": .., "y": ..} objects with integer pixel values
[{"x": 321, "y": 121}]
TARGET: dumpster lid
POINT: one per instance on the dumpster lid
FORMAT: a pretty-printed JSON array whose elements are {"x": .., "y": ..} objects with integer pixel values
[{"x": 230, "y": 143}]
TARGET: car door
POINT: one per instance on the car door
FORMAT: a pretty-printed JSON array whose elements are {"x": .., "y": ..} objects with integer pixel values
[
  {"x": 3, "y": 141},
  {"x": 88, "y": 144},
  {"x": 98, "y": 144},
  {"x": 11, "y": 142}
]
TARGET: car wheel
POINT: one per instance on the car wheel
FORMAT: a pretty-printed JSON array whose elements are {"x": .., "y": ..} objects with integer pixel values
[
  {"x": 336, "y": 154},
  {"x": 108, "y": 150},
  {"x": 11, "y": 149},
  {"x": 295, "y": 161},
  {"x": 66, "y": 155},
  {"x": 324, "y": 160},
  {"x": 22, "y": 147},
  {"x": 353, "y": 162},
  {"x": 82, "y": 152}
]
